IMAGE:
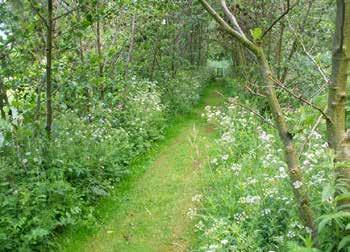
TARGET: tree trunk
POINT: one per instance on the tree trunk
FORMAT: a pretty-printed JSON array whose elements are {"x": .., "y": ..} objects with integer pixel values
[
  {"x": 2, "y": 100},
  {"x": 337, "y": 138},
  {"x": 131, "y": 45},
  {"x": 279, "y": 50},
  {"x": 99, "y": 53},
  {"x": 291, "y": 157},
  {"x": 49, "y": 114},
  {"x": 338, "y": 87},
  {"x": 154, "y": 60}
]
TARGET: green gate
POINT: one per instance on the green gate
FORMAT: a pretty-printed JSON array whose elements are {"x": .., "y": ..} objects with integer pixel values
[{"x": 219, "y": 72}]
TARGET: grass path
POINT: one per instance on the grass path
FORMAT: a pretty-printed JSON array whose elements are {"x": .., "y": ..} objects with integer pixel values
[{"x": 151, "y": 213}]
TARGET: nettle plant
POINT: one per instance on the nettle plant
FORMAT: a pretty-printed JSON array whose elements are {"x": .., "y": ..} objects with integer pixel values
[{"x": 250, "y": 205}]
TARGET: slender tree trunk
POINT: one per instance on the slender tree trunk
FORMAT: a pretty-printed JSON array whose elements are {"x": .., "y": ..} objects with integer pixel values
[
  {"x": 338, "y": 87},
  {"x": 3, "y": 95},
  {"x": 82, "y": 61},
  {"x": 337, "y": 138},
  {"x": 200, "y": 39},
  {"x": 99, "y": 48},
  {"x": 279, "y": 49},
  {"x": 49, "y": 113},
  {"x": 173, "y": 57},
  {"x": 291, "y": 157},
  {"x": 131, "y": 45},
  {"x": 81, "y": 48},
  {"x": 2, "y": 100},
  {"x": 99, "y": 53},
  {"x": 154, "y": 60}
]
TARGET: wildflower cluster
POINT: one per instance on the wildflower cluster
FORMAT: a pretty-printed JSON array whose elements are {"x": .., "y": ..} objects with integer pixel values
[
  {"x": 251, "y": 189},
  {"x": 89, "y": 153}
]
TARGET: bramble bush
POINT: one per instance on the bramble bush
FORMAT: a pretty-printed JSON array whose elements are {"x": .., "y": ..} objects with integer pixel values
[{"x": 48, "y": 185}]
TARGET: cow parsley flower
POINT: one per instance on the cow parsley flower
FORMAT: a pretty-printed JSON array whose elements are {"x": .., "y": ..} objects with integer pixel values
[
  {"x": 224, "y": 157},
  {"x": 224, "y": 242},
  {"x": 297, "y": 184}
]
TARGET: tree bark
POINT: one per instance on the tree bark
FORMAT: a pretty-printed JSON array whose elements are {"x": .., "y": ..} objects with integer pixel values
[
  {"x": 338, "y": 87},
  {"x": 337, "y": 138},
  {"x": 131, "y": 45},
  {"x": 280, "y": 49},
  {"x": 99, "y": 52},
  {"x": 292, "y": 160},
  {"x": 2, "y": 100},
  {"x": 49, "y": 113}
]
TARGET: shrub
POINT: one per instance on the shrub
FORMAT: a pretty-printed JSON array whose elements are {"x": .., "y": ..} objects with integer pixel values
[
  {"x": 181, "y": 93},
  {"x": 47, "y": 186}
]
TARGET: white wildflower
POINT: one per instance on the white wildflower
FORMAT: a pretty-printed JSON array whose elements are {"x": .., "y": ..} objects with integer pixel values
[
  {"x": 197, "y": 198},
  {"x": 224, "y": 157},
  {"x": 264, "y": 137},
  {"x": 297, "y": 184},
  {"x": 224, "y": 242}
]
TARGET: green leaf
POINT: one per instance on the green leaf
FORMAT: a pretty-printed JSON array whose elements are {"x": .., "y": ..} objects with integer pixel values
[
  {"x": 325, "y": 220},
  {"x": 345, "y": 241},
  {"x": 256, "y": 33},
  {"x": 343, "y": 196}
]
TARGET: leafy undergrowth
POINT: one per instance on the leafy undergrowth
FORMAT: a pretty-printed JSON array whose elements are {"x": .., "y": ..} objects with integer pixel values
[
  {"x": 150, "y": 211},
  {"x": 248, "y": 204},
  {"x": 46, "y": 187}
]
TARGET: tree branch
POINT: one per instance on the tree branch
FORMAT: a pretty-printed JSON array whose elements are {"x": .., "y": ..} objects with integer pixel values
[
  {"x": 289, "y": 8},
  {"x": 66, "y": 13},
  {"x": 38, "y": 13},
  {"x": 302, "y": 99},
  {"x": 247, "y": 43},
  {"x": 232, "y": 18}
]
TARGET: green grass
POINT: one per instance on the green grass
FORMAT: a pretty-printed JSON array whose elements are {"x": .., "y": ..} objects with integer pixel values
[{"x": 148, "y": 210}]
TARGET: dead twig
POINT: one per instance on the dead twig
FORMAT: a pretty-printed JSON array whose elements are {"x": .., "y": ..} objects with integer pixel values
[
  {"x": 289, "y": 8},
  {"x": 302, "y": 99}
]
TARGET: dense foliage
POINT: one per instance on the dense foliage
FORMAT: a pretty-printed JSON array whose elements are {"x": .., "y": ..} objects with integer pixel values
[
  {"x": 86, "y": 87},
  {"x": 45, "y": 189},
  {"x": 249, "y": 204},
  {"x": 114, "y": 87}
]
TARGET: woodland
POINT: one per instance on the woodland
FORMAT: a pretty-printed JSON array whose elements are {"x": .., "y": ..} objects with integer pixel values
[{"x": 174, "y": 125}]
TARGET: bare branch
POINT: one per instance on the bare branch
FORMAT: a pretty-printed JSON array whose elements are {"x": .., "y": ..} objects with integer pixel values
[
  {"x": 38, "y": 13},
  {"x": 246, "y": 42},
  {"x": 66, "y": 13},
  {"x": 250, "y": 90},
  {"x": 289, "y": 8},
  {"x": 232, "y": 18},
  {"x": 302, "y": 99},
  {"x": 319, "y": 68}
]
